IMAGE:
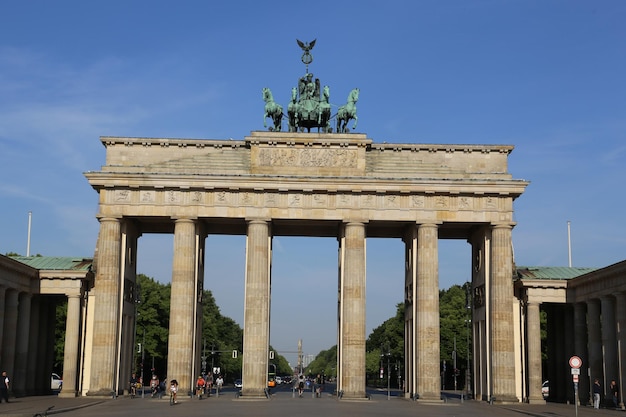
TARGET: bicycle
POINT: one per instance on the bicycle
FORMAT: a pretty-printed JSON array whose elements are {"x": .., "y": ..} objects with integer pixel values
[
  {"x": 45, "y": 413},
  {"x": 133, "y": 389}
]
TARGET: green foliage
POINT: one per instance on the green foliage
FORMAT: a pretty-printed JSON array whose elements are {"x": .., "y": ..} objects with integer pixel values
[
  {"x": 453, "y": 314},
  {"x": 59, "y": 335},
  {"x": 153, "y": 314},
  {"x": 325, "y": 363}
]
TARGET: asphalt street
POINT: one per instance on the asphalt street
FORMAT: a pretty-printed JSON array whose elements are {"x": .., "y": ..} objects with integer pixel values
[{"x": 282, "y": 403}]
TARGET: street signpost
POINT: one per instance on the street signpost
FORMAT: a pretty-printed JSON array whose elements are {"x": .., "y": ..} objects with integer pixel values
[{"x": 575, "y": 363}]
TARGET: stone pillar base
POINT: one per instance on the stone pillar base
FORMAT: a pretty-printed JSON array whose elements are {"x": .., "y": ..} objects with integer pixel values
[{"x": 67, "y": 394}]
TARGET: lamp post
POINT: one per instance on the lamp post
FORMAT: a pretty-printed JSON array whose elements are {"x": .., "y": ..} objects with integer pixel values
[{"x": 386, "y": 353}]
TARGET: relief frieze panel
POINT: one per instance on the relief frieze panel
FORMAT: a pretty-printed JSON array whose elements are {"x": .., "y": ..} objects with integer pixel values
[
  {"x": 304, "y": 200},
  {"x": 122, "y": 196},
  {"x": 147, "y": 196},
  {"x": 307, "y": 157}
]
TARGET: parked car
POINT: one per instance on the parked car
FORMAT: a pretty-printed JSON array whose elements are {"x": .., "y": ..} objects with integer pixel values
[
  {"x": 238, "y": 383},
  {"x": 55, "y": 382},
  {"x": 278, "y": 380},
  {"x": 545, "y": 389}
]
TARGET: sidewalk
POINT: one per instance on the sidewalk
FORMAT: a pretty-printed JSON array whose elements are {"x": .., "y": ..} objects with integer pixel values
[
  {"x": 228, "y": 405},
  {"x": 28, "y": 406}
]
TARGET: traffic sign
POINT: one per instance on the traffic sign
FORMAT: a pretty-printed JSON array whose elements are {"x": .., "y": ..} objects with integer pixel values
[{"x": 575, "y": 362}]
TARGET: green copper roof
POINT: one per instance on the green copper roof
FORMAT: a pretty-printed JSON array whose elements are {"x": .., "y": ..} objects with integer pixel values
[
  {"x": 55, "y": 262},
  {"x": 551, "y": 272}
]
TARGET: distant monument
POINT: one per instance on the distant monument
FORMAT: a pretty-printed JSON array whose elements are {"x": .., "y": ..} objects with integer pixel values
[{"x": 310, "y": 104}]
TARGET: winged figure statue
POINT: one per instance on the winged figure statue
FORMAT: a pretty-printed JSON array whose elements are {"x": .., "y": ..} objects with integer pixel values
[{"x": 306, "y": 46}]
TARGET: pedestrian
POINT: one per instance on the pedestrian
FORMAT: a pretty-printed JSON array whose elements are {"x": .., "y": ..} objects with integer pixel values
[
  {"x": 614, "y": 393},
  {"x": 300, "y": 385},
  {"x": 174, "y": 390},
  {"x": 597, "y": 392},
  {"x": 4, "y": 387},
  {"x": 219, "y": 382},
  {"x": 209, "y": 384}
]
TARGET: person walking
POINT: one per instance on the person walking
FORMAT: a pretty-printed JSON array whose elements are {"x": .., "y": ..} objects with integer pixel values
[
  {"x": 614, "y": 393},
  {"x": 4, "y": 387},
  {"x": 219, "y": 382},
  {"x": 597, "y": 392}
]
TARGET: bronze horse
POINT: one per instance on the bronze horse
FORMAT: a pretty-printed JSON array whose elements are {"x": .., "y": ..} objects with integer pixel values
[
  {"x": 273, "y": 110},
  {"x": 347, "y": 112}
]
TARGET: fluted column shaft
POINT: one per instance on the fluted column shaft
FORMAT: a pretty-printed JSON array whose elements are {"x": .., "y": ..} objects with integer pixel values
[
  {"x": 71, "y": 350},
  {"x": 21, "y": 348},
  {"x": 427, "y": 309},
  {"x": 533, "y": 333},
  {"x": 106, "y": 311},
  {"x": 353, "y": 312},
  {"x": 620, "y": 317},
  {"x": 9, "y": 340},
  {"x": 580, "y": 348},
  {"x": 609, "y": 340},
  {"x": 256, "y": 309},
  {"x": 501, "y": 314},
  {"x": 182, "y": 303},
  {"x": 595, "y": 340},
  {"x": 2, "y": 318}
]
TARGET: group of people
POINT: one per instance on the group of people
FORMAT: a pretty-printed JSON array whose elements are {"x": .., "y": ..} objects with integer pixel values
[
  {"x": 597, "y": 393},
  {"x": 205, "y": 385},
  {"x": 158, "y": 387}
]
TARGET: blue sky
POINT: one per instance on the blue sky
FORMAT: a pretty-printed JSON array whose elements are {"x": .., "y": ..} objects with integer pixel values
[{"x": 545, "y": 76}]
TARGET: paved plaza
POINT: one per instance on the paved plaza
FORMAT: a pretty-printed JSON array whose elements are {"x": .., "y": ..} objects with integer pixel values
[{"x": 283, "y": 403}]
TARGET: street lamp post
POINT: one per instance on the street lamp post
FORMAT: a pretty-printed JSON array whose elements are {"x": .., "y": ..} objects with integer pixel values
[{"x": 387, "y": 354}]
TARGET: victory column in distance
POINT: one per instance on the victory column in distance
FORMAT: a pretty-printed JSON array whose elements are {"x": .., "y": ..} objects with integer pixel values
[{"x": 310, "y": 104}]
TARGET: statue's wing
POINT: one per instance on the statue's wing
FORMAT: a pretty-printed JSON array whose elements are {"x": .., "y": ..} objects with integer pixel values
[
  {"x": 312, "y": 43},
  {"x": 302, "y": 45}
]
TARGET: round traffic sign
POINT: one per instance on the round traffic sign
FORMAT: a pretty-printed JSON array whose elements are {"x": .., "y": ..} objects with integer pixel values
[{"x": 575, "y": 362}]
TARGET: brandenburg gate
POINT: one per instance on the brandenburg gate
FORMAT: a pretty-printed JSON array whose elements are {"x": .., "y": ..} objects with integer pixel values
[{"x": 306, "y": 184}]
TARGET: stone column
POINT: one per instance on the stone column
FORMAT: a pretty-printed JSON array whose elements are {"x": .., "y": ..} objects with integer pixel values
[
  {"x": 256, "y": 333},
  {"x": 182, "y": 302},
  {"x": 20, "y": 376},
  {"x": 620, "y": 317},
  {"x": 580, "y": 347},
  {"x": 352, "y": 332},
  {"x": 595, "y": 340},
  {"x": 106, "y": 310},
  {"x": 72, "y": 341},
  {"x": 609, "y": 340},
  {"x": 410, "y": 282},
  {"x": 427, "y": 314},
  {"x": 33, "y": 343},
  {"x": 2, "y": 318},
  {"x": 533, "y": 333},
  {"x": 501, "y": 315},
  {"x": 10, "y": 336}
]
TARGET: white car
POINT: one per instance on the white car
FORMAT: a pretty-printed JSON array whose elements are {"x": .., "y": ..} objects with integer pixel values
[
  {"x": 545, "y": 389},
  {"x": 55, "y": 382}
]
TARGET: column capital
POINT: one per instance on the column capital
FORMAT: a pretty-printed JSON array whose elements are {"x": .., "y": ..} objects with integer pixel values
[
  {"x": 102, "y": 219},
  {"x": 257, "y": 220},
  {"x": 503, "y": 225},
  {"x": 185, "y": 219}
]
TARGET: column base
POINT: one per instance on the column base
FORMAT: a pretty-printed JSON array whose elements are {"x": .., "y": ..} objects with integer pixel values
[
  {"x": 536, "y": 400},
  {"x": 67, "y": 394},
  {"x": 102, "y": 393}
]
